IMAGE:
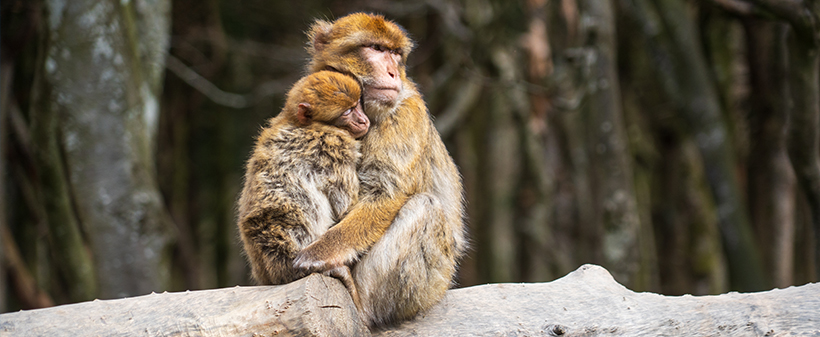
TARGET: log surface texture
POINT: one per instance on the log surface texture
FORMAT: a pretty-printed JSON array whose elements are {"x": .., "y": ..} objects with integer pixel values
[{"x": 586, "y": 302}]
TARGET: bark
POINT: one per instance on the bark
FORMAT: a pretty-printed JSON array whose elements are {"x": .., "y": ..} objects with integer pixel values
[
  {"x": 803, "y": 61},
  {"x": 611, "y": 172},
  {"x": 540, "y": 258},
  {"x": 25, "y": 287},
  {"x": 706, "y": 263},
  {"x": 645, "y": 155},
  {"x": 314, "y": 306},
  {"x": 102, "y": 74},
  {"x": 529, "y": 183},
  {"x": 204, "y": 145},
  {"x": 804, "y": 112},
  {"x": 70, "y": 252},
  {"x": 5, "y": 94},
  {"x": 681, "y": 68},
  {"x": 504, "y": 172},
  {"x": 804, "y": 139},
  {"x": 587, "y": 302},
  {"x": 771, "y": 179},
  {"x": 686, "y": 224},
  {"x": 498, "y": 138}
]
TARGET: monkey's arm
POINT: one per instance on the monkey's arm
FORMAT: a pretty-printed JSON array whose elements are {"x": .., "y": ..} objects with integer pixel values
[
  {"x": 364, "y": 225},
  {"x": 390, "y": 172}
]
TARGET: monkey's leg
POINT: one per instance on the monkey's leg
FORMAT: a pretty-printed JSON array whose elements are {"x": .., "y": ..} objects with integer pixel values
[
  {"x": 411, "y": 267},
  {"x": 343, "y": 274},
  {"x": 270, "y": 249}
]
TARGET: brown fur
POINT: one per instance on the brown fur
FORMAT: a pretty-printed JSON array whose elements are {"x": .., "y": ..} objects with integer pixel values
[
  {"x": 301, "y": 178},
  {"x": 407, "y": 231}
]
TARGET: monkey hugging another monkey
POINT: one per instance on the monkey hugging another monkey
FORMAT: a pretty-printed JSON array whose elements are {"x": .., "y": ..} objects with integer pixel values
[
  {"x": 301, "y": 178},
  {"x": 387, "y": 220}
]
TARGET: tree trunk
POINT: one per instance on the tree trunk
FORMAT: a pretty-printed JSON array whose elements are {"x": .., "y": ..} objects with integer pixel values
[
  {"x": 504, "y": 171},
  {"x": 5, "y": 94},
  {"x": 611, "y": 172},
  {"x": 804, "y": 135},
  {"x": 681, "y": 68},
  {"x": 70, "y": 252},
  {"x": 771, "y": 179},
  {"x": 98, "y": 106}
]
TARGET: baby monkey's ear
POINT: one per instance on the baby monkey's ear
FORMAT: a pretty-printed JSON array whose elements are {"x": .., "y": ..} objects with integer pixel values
[{"x": 303, "y": 113}]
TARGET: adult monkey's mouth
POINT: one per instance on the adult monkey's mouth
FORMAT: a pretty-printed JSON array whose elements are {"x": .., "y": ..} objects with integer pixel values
[{"x": 385, "y": 89}]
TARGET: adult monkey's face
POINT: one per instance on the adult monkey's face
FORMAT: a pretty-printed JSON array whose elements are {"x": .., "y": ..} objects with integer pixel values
[{"x": 368, "y": 47}]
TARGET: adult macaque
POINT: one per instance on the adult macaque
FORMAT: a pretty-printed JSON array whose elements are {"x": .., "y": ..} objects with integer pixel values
[
  {"x": 407, "y": 230},
  {"x": 301, "y": 178}
]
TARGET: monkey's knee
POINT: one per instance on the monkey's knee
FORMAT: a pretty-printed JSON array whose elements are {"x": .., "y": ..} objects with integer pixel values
[{"x": 409, "y": 269}]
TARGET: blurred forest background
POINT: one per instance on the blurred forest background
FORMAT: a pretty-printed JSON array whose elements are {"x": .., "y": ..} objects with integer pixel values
[{"x": 674, "y": 142}]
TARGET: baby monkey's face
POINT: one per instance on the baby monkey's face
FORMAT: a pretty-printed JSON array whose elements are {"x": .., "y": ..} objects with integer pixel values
[{"x": 354, "y": 120}]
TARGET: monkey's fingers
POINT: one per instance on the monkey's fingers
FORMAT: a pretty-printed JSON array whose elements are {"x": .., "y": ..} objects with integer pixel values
[
  {"x": 320, "y": 256},
  {"x": 306, "y": 262}
]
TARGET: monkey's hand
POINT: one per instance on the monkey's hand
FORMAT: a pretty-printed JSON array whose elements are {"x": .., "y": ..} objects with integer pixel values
[{"x": 323, "y": 255}]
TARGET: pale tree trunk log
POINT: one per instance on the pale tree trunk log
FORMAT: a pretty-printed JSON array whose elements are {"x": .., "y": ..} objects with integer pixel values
[
  {"x": 313, "y": 306},
  {"x": 587, "y": 302}
]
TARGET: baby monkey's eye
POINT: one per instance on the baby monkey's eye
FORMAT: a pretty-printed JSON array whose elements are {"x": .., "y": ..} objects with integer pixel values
[{"x": 347, "y": 112}]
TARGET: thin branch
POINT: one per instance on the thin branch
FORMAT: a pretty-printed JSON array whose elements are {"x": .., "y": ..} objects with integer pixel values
[
  {"x": 218, "y": 96},
  {"x": 25, "y": 287},
  {"x": 282, "y": 57},
  {"x": 397, "y": 8},
  {"x": 21, "y": 132},
  {"x": 464, "y": 99},
  {"x": 797, "y": 13},
  {"x": 451, "y": 17},
  {"x": 737, "y": 7}
]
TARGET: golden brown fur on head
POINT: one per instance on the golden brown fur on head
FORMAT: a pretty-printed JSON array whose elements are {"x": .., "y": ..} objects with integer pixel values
[
  {"x": 331, "y": 42},
  {"x": 327, "y": 93},
  {"x": 370, "y": 48}
]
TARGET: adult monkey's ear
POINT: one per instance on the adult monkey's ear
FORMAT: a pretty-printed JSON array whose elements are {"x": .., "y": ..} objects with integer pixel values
[
  {"x": 318, "y": 36},
  {"x": 304, "y": 114}
]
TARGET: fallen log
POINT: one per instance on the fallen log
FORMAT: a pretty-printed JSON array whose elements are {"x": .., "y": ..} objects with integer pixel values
[
  {"x": 586, "y": 302},
  {"x": 314, "y": 306}
]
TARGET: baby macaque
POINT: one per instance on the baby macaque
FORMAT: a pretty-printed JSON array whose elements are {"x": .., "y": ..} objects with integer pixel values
[{"x": 301, "y": 178}]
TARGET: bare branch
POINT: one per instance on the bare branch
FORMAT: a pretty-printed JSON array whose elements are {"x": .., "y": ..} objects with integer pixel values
[
  {"x": 462, "y": 102},
  {"x": 797, "y": 13},
  {"x": 218, "y": 96},
  {"x": 738, "y": 7},
  {"x": 24, "y": 285},
  {"x": 451, "y": 18}
]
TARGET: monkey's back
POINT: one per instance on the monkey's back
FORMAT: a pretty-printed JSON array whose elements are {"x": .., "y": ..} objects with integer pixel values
[{"x": 299, "y": 182}]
